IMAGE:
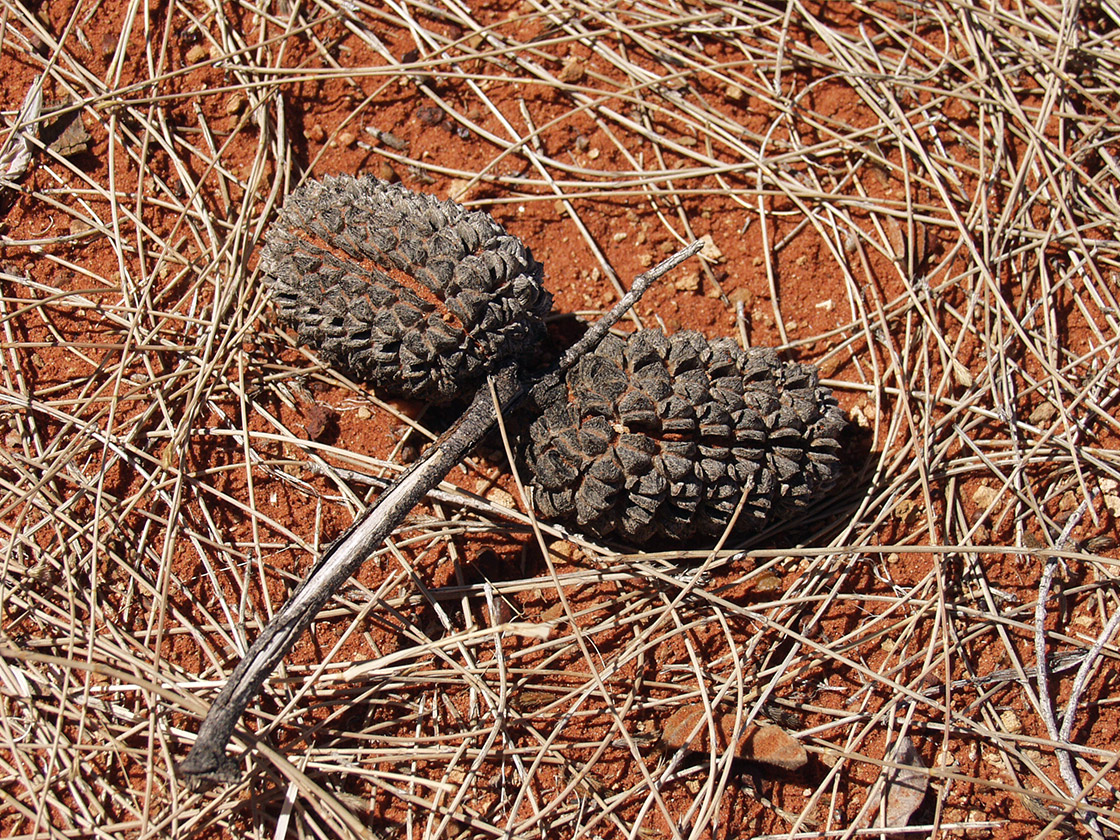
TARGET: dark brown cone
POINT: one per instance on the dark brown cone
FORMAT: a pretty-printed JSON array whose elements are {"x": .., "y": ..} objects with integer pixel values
[
  {"x": 656, "y": 436},
  {"x": 418, "y": 296}
]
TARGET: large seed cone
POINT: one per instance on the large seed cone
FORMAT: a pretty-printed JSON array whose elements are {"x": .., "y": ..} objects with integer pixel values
[
  {"x": 418, "y": 296},
  {"x": 658, "y": 436}
]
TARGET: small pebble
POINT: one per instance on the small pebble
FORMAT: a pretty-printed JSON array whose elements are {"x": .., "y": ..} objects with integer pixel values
[
  {"x": 690, "y": 282},
  {"x": 734, "y": 93},
  {"x": 235, "y": 103},
  {"x": 711, "y": 251},
  {"x": 386, "y": 173},
  {"x": 198, "y": 54},
  {"x": 984, "y": 496},
  {"x": 572, "y": 72},
  {"x": 500, "y": 497},
  {"x": 564, "y": 551},
  {"x": 457, "y": 188},
  {"x": 1043, "y": 414},
  {"x": 767, "y": 583},
  {"x": 743, "y": 296}
]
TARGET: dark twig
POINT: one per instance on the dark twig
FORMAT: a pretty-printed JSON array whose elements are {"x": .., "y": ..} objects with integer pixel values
[{"x": 207, "y": 761}]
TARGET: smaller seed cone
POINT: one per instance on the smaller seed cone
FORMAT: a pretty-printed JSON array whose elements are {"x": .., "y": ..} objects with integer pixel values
[
  {"x": 659, "y": 437},
  {"x": 417, "y": 296}
]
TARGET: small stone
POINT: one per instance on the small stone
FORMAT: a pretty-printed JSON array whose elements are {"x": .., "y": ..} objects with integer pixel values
[
  {"x": 1112, "y": 502},
  {"x": 984, "y": 496},
  {"x": 501, "y": 498},
  {"x": 457, "y": 188},
  {"x": 235, "y": 103},
  {"x": 317, "y": 420},
  {"x": 767, "y": 583},
  {"x": 386, "y": 173},
  {"x": 316, "y": 134},
  {"x": 346, "y": 139},
  {"x": 645, "y": 260},
  {"x": 711, "y": 251},
  {"x": 620, "y": 236},
  {"x": 364, "y": 413},
  {"x": 572, "y": 72},
  {"x": 735, "y": 94},
  {"x": 593, "y": 154},
  {"x": 430, "y": 114},
  {"x": 1042, "y": 414},
  {"x": 79, "y": 226},
  {"x": 198, "y": 54},
  {"x": 991, "y": 756},
  {"x": 108, "y": 44},
  {"x": 743, "y": 296},
  {"x": 689, "y": 282},
  {"x": 565, "y": 551},
  {"x": 908, "y": 511}
]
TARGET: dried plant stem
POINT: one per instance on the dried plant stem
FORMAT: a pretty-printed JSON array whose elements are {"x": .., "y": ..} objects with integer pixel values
[
  {"x": 207, "y": 761},
  {"x": 1065, "y": 762}
]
